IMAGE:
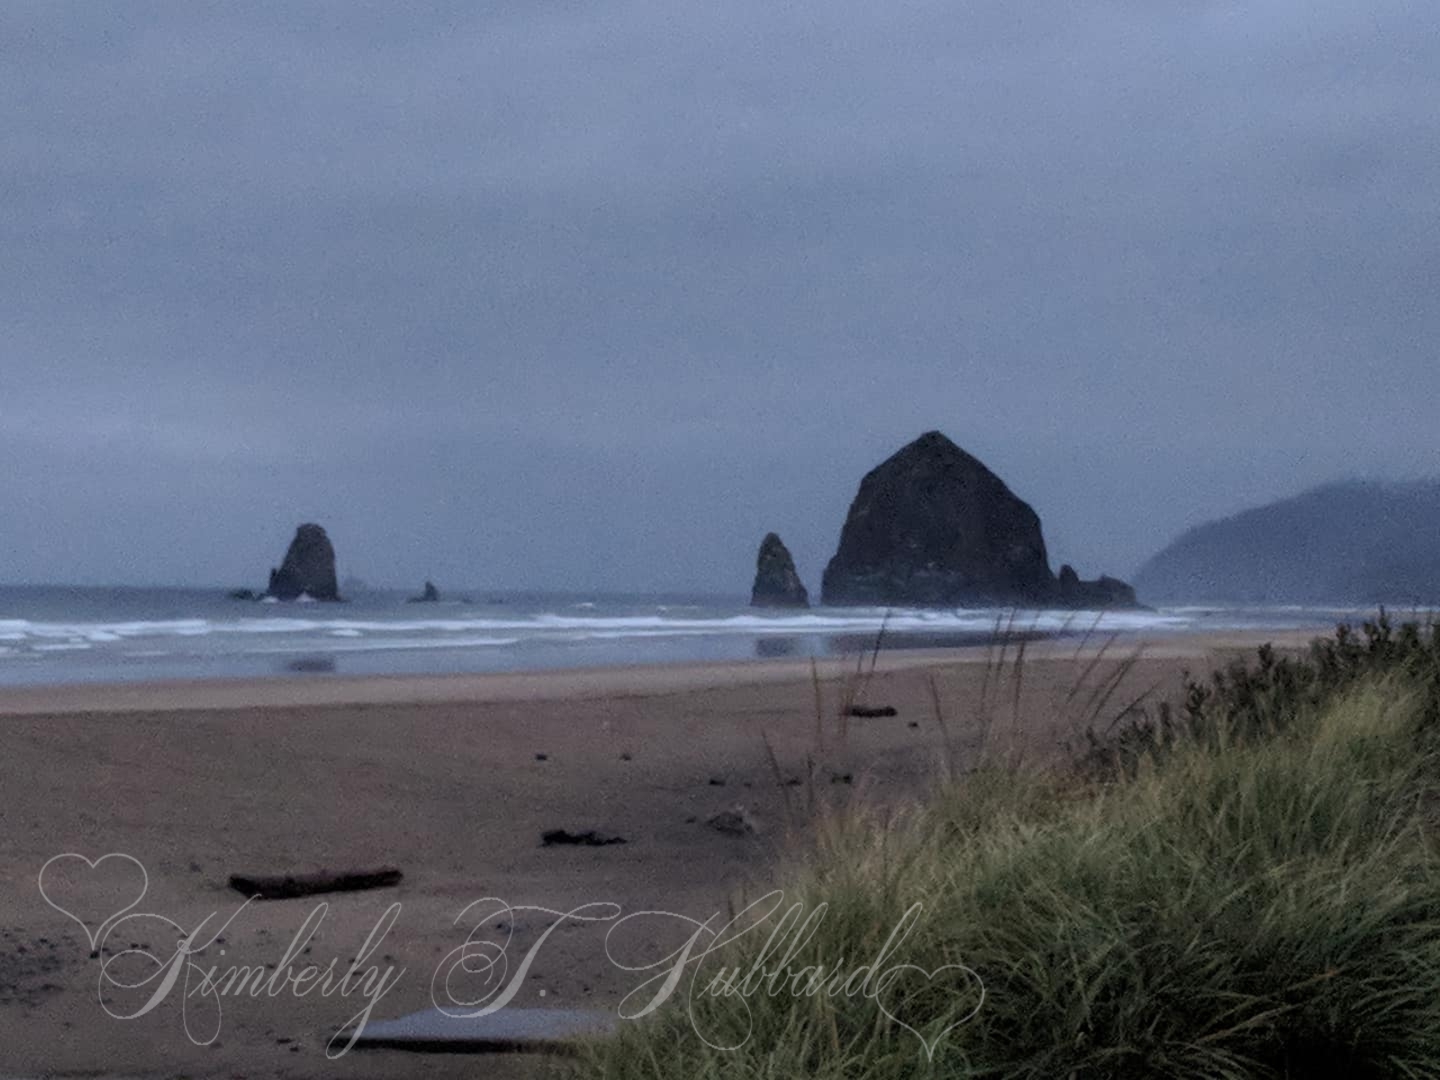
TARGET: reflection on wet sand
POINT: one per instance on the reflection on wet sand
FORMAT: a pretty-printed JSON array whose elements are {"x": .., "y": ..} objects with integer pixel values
[{"x": 767, "y": 648}]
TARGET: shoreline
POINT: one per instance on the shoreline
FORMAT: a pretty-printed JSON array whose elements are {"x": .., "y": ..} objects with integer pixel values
[{"x": 634, "y": 680}]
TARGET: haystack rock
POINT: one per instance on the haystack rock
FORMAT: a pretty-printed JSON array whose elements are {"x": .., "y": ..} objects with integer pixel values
[
  {"x": 308, "y": 569},
  {"x": 777, "y": 584},
  {"x": 931, "y": 526}
]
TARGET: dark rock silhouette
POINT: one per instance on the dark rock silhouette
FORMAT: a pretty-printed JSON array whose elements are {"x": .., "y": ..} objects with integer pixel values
[
  {"x": 1356, "y": 543},
  {"x": 428, "y": 595},
  {"x": 777, "y": 584},
  {"x": 735, "y": 822},
  {"x": 308, "y": 569},
  {"x": 243, "y": 594},
  {"x": 931, "y": 526},
  {"x": 1107, "y": 592}
]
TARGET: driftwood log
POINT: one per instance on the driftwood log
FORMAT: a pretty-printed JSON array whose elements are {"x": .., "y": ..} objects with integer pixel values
[
  {"x": 588, "y": 838},
  {"x": 289, "y": 886},
  {"x": 871, "y": 711}
]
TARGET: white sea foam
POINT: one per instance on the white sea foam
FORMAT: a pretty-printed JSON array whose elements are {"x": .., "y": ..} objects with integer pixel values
[
  {"x": 840, "y": 621},
  {"x": 129, "y": 634},
  {"x": 227, "y": 636},
  {"x": 331, "y": 646},
  {"x": 24, "y": 629}
]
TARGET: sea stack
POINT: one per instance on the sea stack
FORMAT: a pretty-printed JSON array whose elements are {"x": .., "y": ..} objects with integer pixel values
[
  {"x": 931, "y": 526},
  {"x": 1107, "y": 592},
  {"x": 308, "y": 569},
  {"x": 777, "y": 584},
  {"x": 428, "y": 595}
]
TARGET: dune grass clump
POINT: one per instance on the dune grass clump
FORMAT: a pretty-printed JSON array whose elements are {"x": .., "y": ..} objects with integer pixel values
[
  {"x": 1263, "y": 699},
  {"x": 1236, "y": 906}
]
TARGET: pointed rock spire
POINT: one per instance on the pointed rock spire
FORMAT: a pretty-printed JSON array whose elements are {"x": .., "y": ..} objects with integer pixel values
[{"x": 777, "y": 584}]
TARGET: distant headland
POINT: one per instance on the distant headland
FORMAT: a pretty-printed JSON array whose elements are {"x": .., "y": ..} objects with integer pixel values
[{"x": 1356, "y": 542}]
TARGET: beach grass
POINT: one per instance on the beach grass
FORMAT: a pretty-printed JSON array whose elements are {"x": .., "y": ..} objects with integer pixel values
[{"x": 1245, "y": 884}]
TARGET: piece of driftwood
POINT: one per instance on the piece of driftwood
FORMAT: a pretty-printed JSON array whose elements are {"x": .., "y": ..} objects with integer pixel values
[
  {"x": 588, "y": 838},
  {"x": 554, "y": 1031},
  {"x": 289, "y": 886},
  {"x": 868, "y": 711}
]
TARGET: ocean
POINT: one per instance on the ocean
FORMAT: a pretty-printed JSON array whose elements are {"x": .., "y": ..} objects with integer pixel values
[{"x": 52, "y": 634}]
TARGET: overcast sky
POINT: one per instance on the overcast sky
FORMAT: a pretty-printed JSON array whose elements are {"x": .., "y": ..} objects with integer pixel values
[{"x": 592, "y": 295}]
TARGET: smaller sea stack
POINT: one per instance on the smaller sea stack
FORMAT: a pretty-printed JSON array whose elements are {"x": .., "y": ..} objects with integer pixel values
[
  {"x": 308, "y": 569},
  {"x": 777, "y": 584},
  {"x": 428, "y": 595}
]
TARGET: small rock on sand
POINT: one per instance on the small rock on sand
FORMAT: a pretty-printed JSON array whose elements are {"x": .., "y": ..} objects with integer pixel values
[{"x": 734, "y": 822}]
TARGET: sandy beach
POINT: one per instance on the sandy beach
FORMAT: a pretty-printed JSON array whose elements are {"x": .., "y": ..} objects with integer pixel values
[{"x": 453, "y": 780}]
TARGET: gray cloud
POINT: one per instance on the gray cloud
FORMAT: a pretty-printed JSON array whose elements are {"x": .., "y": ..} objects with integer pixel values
[{"x": 594, "y": 295}]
